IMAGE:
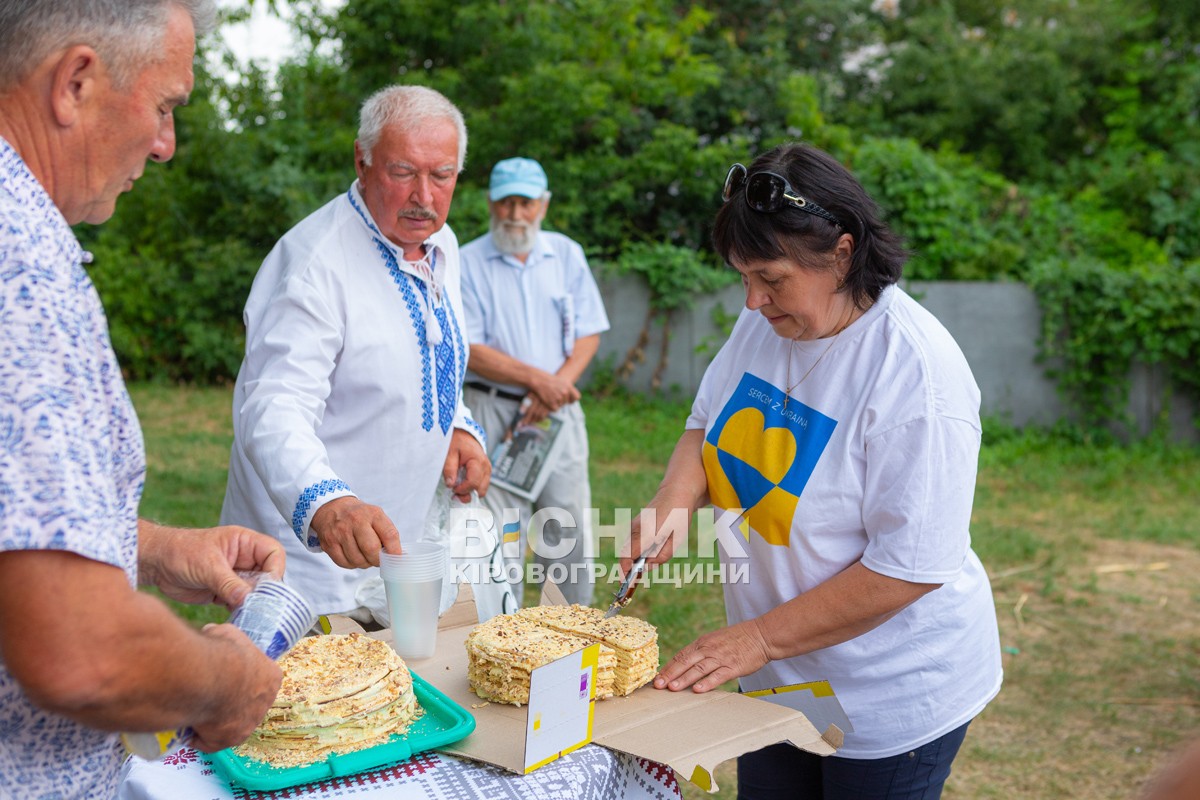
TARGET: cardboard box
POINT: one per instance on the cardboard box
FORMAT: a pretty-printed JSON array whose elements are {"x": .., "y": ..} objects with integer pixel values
[{"x": 692, "y": 733}]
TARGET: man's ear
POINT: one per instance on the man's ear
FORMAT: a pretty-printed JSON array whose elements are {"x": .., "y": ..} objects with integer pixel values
[
  {"x": 360, "y": 163},
  {"x": 74, "y": 81}
]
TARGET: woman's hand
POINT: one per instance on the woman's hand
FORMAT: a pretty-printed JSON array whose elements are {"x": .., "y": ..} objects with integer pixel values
[
  {"x": 684, "y": 488},
  {"x": 716, "y": 657},
  {"x": 847, "y": 605}
]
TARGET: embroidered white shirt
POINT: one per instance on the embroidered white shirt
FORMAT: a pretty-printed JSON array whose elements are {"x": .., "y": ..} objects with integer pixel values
[{"x": 351, "y": 385}]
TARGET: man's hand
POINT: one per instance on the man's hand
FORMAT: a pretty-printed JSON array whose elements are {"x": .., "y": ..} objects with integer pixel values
[
  {"x": 199, "y": 565},
  {"x": 533, "y": 410},
  {"x": 84, "y": 644},
  {"x": 352, "y": 532},
  {"x": 229, "y": 723},
  {"x": 467, "y": 466},
  {"x": 553, "y": 390}
]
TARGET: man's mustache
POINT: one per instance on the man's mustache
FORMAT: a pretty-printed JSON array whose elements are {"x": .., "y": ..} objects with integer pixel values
[{"x": 418, "y": 212}]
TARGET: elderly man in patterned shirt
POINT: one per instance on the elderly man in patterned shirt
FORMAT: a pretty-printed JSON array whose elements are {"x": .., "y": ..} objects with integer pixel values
[{"x": 87, "y": 90}]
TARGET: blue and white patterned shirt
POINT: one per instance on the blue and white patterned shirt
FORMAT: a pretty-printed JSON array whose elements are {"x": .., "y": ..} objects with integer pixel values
[{"x": 72, "y": 461}]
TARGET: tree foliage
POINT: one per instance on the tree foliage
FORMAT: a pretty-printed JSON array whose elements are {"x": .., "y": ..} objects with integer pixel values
[{"x": 1050, "y": 141}]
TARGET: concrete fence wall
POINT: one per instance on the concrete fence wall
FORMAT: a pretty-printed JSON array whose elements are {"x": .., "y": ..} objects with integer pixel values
[{"x": 996, "y": 324}]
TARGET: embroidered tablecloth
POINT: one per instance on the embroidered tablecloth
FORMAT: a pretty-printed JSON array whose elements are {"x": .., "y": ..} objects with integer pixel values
[{"x": 590, "y": 773}]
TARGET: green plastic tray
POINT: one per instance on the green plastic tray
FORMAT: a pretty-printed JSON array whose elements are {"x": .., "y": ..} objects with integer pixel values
[{"x": 443, "y": 722}]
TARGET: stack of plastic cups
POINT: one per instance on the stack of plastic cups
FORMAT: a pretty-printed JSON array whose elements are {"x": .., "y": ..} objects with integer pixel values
[
  {"x": 275, "y": 617},
  {"x": 413, "y": 583}
]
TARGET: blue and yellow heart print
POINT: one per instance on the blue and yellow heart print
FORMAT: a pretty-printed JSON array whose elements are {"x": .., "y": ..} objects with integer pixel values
[{"x": 759, "y": 456}]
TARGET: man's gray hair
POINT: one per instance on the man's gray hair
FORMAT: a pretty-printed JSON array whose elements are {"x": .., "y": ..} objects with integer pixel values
[
  {"x": 127, "y": 34},
  {"x": 407, "y": 108}
]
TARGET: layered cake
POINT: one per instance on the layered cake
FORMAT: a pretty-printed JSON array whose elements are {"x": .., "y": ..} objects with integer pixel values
[
  {"x": 340, "y": 693},
  {"x": 634, "y": 641},
  {"x": 502, "y": 652}
]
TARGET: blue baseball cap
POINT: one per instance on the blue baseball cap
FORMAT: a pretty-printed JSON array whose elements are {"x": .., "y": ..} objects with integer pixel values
[{"x": 521, "y": 176}]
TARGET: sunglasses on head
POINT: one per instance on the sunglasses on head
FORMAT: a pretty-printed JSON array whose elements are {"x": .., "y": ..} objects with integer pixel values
[{"x": 767, "y": 193}]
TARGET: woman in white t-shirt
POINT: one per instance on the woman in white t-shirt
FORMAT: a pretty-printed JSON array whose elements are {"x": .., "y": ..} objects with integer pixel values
[{"x": 841, "y": 422}]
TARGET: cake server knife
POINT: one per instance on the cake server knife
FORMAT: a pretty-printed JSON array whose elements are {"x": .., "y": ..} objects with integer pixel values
[{"x": 625, "y": 591}]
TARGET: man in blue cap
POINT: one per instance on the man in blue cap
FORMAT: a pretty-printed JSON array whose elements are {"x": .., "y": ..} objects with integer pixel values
[{"x": 534, "y": 318}]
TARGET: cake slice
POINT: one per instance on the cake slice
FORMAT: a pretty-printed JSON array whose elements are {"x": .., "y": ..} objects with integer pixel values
[
  {"x": 634, "y": 641},
  {"x": 504, "y": 651}
]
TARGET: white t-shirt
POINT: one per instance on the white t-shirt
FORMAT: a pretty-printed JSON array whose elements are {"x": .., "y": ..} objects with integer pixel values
[
  {"x": 351, "y": 385},
  {"x": 873, "y": 459}
]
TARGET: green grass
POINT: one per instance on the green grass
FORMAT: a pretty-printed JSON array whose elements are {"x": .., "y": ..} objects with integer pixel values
[{"x": 1093, "y": 553}]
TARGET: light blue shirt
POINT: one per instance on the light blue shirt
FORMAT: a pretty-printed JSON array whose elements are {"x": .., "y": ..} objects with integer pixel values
[
  {"x": 72, "y": 461},
  {"x": 534, "y": 311}
]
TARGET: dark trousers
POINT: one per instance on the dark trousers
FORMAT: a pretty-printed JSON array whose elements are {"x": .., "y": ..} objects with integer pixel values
[{"x": 784, "y": 772}]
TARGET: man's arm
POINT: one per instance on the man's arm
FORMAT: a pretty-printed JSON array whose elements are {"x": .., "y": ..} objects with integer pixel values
[
  {"x": 548, "y": 392},
  {"x": 582, "y": 355},
  {"x": 84, "y": 644},
  {"x": 551, "y": 389},
  {"x": 467, "y": 467}
]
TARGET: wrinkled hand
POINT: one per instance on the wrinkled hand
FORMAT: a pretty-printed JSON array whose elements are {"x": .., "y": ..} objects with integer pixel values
[
  {"x": 467, "y": 466},
  {"x": 554, "y": 391},
  {"x": 198, "y": 565},
  {"x": 714, "y": 658},
  {"x": 534, "y": 410},
  {"x": 259, "y": 679},
  {"x": 352, "y": 532}
]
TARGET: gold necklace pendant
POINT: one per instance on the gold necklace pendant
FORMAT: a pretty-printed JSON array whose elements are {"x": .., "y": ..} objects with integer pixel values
[{"x": 787, "y": 395}]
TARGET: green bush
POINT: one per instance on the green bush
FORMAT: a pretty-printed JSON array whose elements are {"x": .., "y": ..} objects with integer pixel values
[{"x": 1096, "y": 320}]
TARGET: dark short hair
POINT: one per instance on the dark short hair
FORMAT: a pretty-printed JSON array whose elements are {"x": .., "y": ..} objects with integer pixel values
[{"x": 741, "y": 234}]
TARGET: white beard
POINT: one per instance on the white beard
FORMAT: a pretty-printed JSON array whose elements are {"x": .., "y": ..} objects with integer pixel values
[{"x": 514, "y": 238}]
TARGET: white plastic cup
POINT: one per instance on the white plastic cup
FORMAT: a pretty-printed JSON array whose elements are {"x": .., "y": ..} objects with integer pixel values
[
  {"x": 275, "y": 616},
  {"x": 413, "y": 584}
]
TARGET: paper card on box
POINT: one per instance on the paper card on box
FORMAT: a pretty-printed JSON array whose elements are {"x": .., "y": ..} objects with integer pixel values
[
  {"x": 692, "y": 733},
  {"x": 815, "y": 700},
  {"x": 562, "y": 704}
]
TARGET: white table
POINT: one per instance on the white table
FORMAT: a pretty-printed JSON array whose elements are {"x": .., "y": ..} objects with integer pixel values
[{"x": 591, "y": 773}]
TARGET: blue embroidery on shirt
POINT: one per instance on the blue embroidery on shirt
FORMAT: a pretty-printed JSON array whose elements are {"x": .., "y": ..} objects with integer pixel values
[
  {"x": 478, "y": 429},
  {"x": 449, "y": 356},
  {"x": 406, "y": 283},
  {"x": 305, "y": 502},
  {"x": 451, "y": 359}
]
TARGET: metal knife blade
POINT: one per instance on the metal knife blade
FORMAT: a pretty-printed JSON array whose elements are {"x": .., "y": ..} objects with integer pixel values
[{"x": 625, "y": 591}]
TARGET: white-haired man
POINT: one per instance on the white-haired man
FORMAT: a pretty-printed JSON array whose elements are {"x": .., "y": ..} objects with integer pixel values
[
  {"x": 87, "y": 91},
  {"x": 348, "y": 406},
  {"x": 535, "y": 316}
]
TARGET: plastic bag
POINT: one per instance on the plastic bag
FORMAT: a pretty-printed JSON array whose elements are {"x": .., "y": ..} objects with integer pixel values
[
  {"x": 468, "y": 532},
  {"x": 470, "y": 535}
]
